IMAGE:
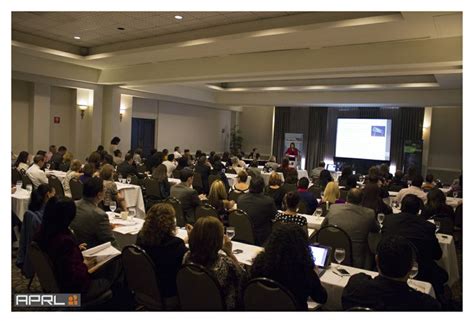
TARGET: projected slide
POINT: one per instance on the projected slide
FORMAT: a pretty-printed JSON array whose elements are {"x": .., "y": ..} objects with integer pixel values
[{"x": 363, "y": 138}]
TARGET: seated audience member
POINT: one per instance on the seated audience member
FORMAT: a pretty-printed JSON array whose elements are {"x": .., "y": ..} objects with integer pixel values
[
  {"x": 284, "y": 167},
  {"x": 324, "y": 178},
  {"x": 41, "y": 152},
  {"x": 235, "y": 165},
  {"x": 32, "y": 220},
  {"x": 317, "y": 171},
  {"x": 331, "y": 194},
  {"x": 260, "y": 209},
  {"x": 218, "y": 170},
  {"x": 358, "y": 222},
  {"x": 127, "y": 168},
  {"x": 288, "y": 260},
  {"x": 371, "y": 199},
  {"x": 170, "y": 164},
  {"x": 290, "y": 215},
  {"x": 158, "y": 238},
  {"x": 241, "y": 186},
  {"x": 22, "y": 162},
  {"x": 203, "y": 169},
  {"x": 114, "y": 144},
  {"x": 137, "y": 156},
  {"x": 182, "y": 162},
  {"x": 253, "y": 169},
  {"x": 351, "y": 182},
  {"x": 272, "y": 165},
  {"x": 177, "y": 153},
  {"x": 305, "y": 196},
  {"x": 111, "y": 191},
  {"x": 206, "y": 239},
  {"x": 241, "y": 163},
  {"x": 188, "y": 196},
  {"x": 50, "y": 153},
  {"x": 226, "y": 159},
  {"x": 397, "y": 182},
  {"x": 87, "y": 172},
  {"x": 275, "y": 189},
  {"x": 165, "y": 154},
  {"x": 414, "y": 189},
  {"x": 254, "y": 154},
  {"x": 291, "y": 180},
  {"x": 91, "y": 224},
  {"x": 117, "y": 158},
  {"x": 436, "y": 205},
  {"x": 100, "y": 149},
  {"x": 66, "y": 163},
  {"x": 219, "y": 200},
  {"x": 57, "y": 157},
  {"x": 346, "y": 172},
  {"x": 56, "y": 239},
  {"x": 160, "y": 174},
  {"x": 456, "y": 187},
  {"x": 384, "y": 172},
  {"x": 35, "y": 174},
  {"x": 429, "y": 183},
  {"x": 389, "y": 290},
  {"x": 73, "y": 172},
  {"x": 421, "y": 234},
  {"x": 155, "y": 160}
]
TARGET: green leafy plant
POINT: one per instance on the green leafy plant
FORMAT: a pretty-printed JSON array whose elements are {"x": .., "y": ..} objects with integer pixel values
[{"x": 236, "y": 140}]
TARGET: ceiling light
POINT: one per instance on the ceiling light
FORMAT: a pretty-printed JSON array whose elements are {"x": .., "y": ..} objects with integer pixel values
[
  {"x": 365, "y": 86},
  {"x": 316, "y": 87},
  {"x": 274, "y": 88},
  {"x": 77, "y": 37},
  {"x": 411, "y": 85},
  {"x": 178, "y": 17}
]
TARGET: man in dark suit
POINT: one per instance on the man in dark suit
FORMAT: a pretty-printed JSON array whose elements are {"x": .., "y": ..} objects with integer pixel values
[
  {"x": 57, "y": 157},
  {"x": 389, "y": 290},
  {"x": 188, "y": 196},
  {"x": 358, "y": 222},
  {"x": 421, "y": 234},
  {"x": 91, "y": 224},
  {"x": 260, "y": 208},
  {"x": 127, "y": 168}
]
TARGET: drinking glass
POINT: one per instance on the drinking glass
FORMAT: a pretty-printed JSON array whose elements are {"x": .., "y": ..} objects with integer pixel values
[
  {"x": 120, "y": 178},
  {"x": 319, "y": 212},
  {"x": 129, "y": 179},
  {"x": 48, "y": 165},
  {"x": 230, "y": 232},
  {"x": 455, "y": 195},
  {"x": 413, "y": 270},
  {"x": 29, "y": 188},
  {"x": 18, "y": 185},
  {"x": 438, "y": 225},
  {"x": 131, "y": 213},
  {"x": 380, "y": 218},
  {"x": 113, "y": 206},
  {"x": 339, "y": 255},
  {"x": 409, "y": 183}
]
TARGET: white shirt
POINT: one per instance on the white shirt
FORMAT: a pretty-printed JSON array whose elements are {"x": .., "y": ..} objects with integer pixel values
[
  {"x": 412, "y": 190},
  {"x": 170, "y": 167},
  {"x": 177, "y": 155},
  {"x": 36, "y": 175}
]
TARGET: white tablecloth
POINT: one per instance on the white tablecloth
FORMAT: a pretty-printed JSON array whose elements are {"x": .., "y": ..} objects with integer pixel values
[
  {"x": 20, "y": 200},
  {"x": 133, "y": 197},
  {"x": 449, "y": 260},
  {"x": 314, "y": 222},
  {"x": 59, "y": 174},
  {"x": 302, "y": 173},
  {"x": 335, "y": 284}
]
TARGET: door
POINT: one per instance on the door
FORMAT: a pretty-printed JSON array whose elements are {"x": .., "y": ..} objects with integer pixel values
[{"x": 143, "y": 134}]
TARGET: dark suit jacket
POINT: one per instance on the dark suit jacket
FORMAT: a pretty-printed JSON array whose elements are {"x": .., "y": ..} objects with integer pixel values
[
  {"x": 422, "y": 234},
  {"x": 204, "y": 171},
  {"x": 91, "y": 224},
  {"x": 261, "y": 210},
  {"x": 126, "y": 169},
  {"x": 382, "y": 294},
  {"x": 357, "y": 221},
  {"x": 189, "y": 200}
]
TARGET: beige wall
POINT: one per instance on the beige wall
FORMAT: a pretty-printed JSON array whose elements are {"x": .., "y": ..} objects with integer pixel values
[
  {"x": 63, "y": 106},
  {"x": 21, "y": 97},
  {"x": 256, "y": 125}
]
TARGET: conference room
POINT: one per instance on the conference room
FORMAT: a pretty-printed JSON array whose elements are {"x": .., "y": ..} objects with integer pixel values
[{"x": 236, "y": 161}]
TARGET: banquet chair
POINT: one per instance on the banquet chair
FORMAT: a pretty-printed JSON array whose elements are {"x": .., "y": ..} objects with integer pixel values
[
  {"x": 197, "y": 183},
  {"x": 45, "y": 271},
  {"x": 152, "y": 192},
  {"x": 264, "y": 294},
  {"x": 206, "y": 209},
  {"x": 26, "y": 181},
  {"x": 16, "y": 176},
  {"x": 240, "y": 220},
  {"x": 446, "y": 224},
  {"x": 335, "y": 237},
  {"x": 192, "y": 282},
  {"x": 141, "y": 276},
  {"x": 316, "y": 190},
  {"x": 303, "y": 207},
  {"x": 234, "y": 196},
  {"x": 176, "y": 204},
  {"x": 56, "y": 183},
  {"x": 76, "y": 188},
  {"x": 458, "y": 217}
]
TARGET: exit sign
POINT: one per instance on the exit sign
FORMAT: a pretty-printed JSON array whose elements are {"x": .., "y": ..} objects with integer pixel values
[{"x": 57, "y": 119}]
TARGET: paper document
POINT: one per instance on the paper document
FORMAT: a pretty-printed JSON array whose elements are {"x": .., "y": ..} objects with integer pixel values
[{"x": 99, "y": 255}]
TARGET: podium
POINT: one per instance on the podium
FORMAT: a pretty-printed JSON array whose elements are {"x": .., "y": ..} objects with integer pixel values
[{"x": 293, "y": 160}]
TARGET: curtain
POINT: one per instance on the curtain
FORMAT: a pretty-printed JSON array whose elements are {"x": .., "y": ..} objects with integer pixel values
[
  {"x": 316, "y": 136},
  {"x": 408, "y": 126},
  {"x": 282, "y": 124}
]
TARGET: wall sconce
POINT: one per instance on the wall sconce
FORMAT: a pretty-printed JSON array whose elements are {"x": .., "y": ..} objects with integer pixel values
[
  {"x": 83, "y": 109},
  {"x": 122, "y": 111}
]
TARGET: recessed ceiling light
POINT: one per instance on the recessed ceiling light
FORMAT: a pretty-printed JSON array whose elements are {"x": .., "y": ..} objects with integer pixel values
[
  {"x": 178, "y": 17},
  {"x": 77, "y": 37}
]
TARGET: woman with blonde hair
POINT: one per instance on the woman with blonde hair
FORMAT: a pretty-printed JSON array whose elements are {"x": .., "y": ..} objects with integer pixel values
[
  {"x": 205, "y": 241},
  {"x": 158, "y": 238},
  {"x": 73, "y": 172},
  {"x": 331, "y": 193},
  {"x": 111, "y": 191},
  {"x": 218, "y": 198},
  {"x": 66, "y": 163}
]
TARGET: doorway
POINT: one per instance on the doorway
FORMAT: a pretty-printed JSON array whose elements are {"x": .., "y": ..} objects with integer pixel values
[{"x": 143, "y": 134}]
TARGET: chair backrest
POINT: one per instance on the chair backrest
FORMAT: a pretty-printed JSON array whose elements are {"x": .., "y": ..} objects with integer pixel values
[
  {"x": 56, "y": 183},
  {"x": 206, "y": 209},
  {"x": 446, "y": 224},
  {"x": 458, "y": 216},
  {"x": 213, "y": 178},
  {"x": 316, "y": 190},
  {"x": 197, "y": 182},
  {"x": 176, "y": 204},
  {"x": 26, "y": 181},
  {"x": 198, "y": 289},
  {"x": 235, "y": 195},
  {"x": 44, "y": 268},
  {"x": 264, "y": 294},
  {"x": 240, "y": 220},
  {"x": 16, "y": 176},
  {"x": 336, "y": 237},
  {"x": 303, "y": 207},
  {"x": 76, "y": 186},
  {"x": 152, "y": 187},
  {"x": 141, "y": 276}
]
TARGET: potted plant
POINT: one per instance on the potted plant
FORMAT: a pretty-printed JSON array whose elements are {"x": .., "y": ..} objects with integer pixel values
[{"x": 236, "y": 140}]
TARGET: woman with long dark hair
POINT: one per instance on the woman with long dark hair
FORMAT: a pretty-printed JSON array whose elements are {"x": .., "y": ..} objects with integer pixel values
[
  {"x": 288, "y": 260},
  {"x": 436, "y": 205},
  {"x": 324, "y": 178},
  {"x": 371, "y": 199},
  {"x": 22, "y": 163},
  {"x": 160, "y": 174}
]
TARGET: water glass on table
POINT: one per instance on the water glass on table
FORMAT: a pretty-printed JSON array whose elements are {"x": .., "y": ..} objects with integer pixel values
[
  {"x": 131, "y": 213},
  {"x": 18, "y": 185},
  {"x": 318, "y": 212},
  {"x": 113, "y": 206},
  {"x": 29, "y": 188},
  {"x": 339, "y": 256},
  {"x": 380, "y": 218}
]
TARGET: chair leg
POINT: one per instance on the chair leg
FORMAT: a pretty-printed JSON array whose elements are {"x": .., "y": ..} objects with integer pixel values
[{"x": 30, "y": 282}]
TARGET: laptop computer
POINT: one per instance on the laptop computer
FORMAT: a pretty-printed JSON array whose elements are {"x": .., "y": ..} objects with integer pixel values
[{"x": 322, "y": 257}]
